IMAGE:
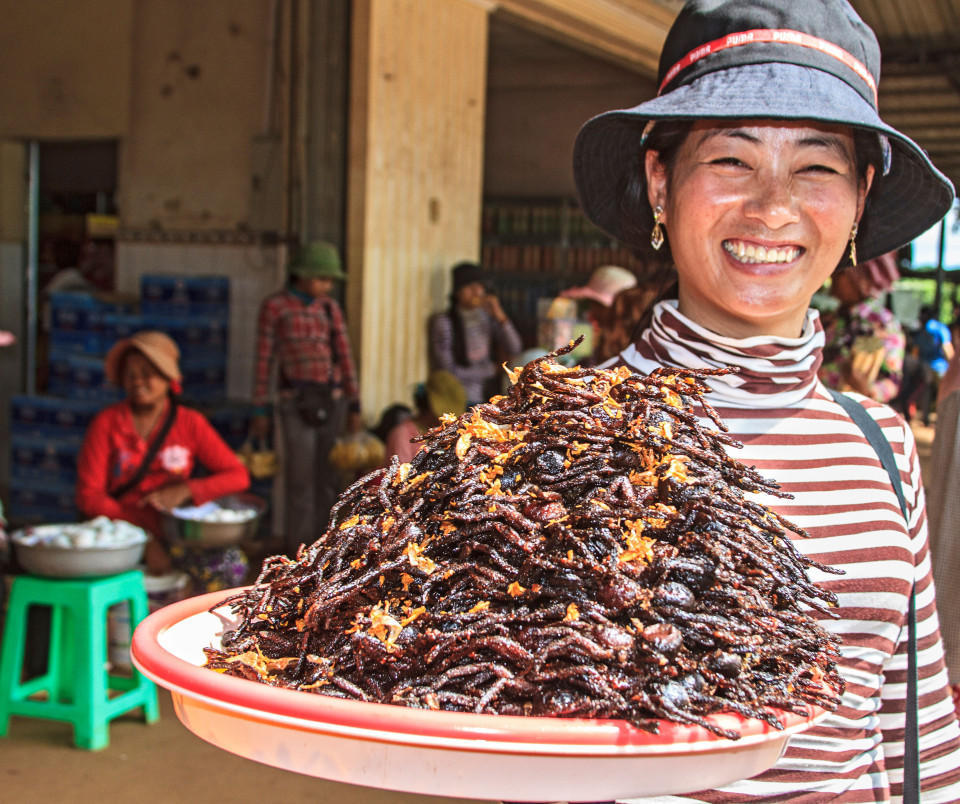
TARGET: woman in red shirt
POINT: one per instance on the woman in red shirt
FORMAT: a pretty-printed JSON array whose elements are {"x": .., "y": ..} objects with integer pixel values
[{"x": 146, "y": 366}]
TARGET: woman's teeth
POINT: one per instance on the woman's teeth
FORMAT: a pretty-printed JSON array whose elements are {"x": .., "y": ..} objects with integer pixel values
[{"x": 748, "y": 253}]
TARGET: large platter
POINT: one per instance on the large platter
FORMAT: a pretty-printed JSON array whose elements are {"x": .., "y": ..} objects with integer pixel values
[{"x": 437, "y": 753}]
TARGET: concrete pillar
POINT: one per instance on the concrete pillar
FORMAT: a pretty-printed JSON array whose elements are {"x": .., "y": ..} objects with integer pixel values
[
  {"x": 326, "y": 146},
  {"x": 418, "y": 84}
]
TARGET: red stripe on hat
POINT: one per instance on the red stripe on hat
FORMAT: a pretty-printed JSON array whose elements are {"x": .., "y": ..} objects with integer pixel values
[{"x": 778, "y": 35}]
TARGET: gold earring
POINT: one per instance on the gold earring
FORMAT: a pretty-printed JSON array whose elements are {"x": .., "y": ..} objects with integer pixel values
[
  {"x": 656, "y": 236},
  {"x": 853, "y": 245}
]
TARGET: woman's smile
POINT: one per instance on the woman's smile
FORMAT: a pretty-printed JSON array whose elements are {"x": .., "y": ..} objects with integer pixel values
[
  {"x": 758, "y": 215},
  {"x": 750, "y": 252}
]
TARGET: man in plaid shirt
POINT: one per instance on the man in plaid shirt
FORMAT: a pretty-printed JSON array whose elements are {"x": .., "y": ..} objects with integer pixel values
[{"x": 301, "y": 331}]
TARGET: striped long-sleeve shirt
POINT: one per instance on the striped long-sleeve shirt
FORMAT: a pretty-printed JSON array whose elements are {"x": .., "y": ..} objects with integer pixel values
[
  {"x": 483, "y": 335},
  {"x": 794, "y": 433}
]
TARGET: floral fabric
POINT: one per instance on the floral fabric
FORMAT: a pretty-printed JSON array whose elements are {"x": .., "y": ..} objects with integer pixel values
[{"x": 867, "y": 319}]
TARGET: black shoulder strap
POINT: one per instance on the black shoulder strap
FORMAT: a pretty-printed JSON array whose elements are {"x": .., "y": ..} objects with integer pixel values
[
  {"x": 911, "y": 758},
  {"x": 151, "y": 453},
  {"x": 328, "y": 309}
]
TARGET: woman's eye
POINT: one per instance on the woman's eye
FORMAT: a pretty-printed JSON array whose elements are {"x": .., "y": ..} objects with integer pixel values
[
  {"x": 818, "y": 169},
  {"x": 727, "y": 160}
]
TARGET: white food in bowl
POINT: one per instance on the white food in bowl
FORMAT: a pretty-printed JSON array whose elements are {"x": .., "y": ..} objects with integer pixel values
[
  {"x": 92, "y": 534},
  {"x": 211, "y": 512}
]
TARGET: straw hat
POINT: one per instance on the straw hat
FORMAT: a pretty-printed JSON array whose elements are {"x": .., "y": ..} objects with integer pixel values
[
  {"x": 765, "y": 59},
  {"x": 157, "y": 347},
  {"x": 605, "y": 283}
]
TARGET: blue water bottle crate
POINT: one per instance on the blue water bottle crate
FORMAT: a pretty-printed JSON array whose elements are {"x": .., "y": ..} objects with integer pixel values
[
  {"x": 47, "y": 459},
  {"x": 79, "y": 377},
  {"x": 78, "y": 321},
  {"x": 35, "y": 502},
  {"x": 51, "y": 416},
  {"x": 75, "y": 312},
  {"x": 195, "y": 333},
  {"x": 164, "y": 294}
]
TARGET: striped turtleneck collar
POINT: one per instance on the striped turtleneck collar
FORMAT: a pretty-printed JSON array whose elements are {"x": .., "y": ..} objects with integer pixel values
[{"x": 773, "y": 372}]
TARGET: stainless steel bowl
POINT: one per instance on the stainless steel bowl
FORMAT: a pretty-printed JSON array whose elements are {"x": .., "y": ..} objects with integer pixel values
[
  {"x": 215, "y": 534},
  {"x": 77, "y": 562}
]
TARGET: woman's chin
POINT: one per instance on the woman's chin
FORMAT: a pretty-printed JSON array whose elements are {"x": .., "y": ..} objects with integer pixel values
[{"x": 143, "y": 401}]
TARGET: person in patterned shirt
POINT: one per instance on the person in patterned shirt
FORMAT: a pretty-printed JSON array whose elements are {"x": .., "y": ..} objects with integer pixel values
[
  {"x": 865, "y": 342},
  {"x": 302, "y": 339}
]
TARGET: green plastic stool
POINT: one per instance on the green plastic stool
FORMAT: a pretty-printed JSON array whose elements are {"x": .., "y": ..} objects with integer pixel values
[{"x": 76, "y": 682}]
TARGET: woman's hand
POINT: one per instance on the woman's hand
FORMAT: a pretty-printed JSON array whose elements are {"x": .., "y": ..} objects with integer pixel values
[
  {"x": 167, "y": 498},
  {"x": 860, "y": 371},
  {"x": 492, "y": 305}
]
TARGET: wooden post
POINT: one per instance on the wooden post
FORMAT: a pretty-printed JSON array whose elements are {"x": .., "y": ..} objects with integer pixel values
[{"x": 418, "y": 83}]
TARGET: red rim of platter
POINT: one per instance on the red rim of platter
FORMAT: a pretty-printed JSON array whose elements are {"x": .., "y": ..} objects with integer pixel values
[{"x": 404, "y": 724}]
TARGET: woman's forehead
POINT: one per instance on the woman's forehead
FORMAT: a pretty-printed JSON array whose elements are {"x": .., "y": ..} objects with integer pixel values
[{"x": 793, "y": 132}]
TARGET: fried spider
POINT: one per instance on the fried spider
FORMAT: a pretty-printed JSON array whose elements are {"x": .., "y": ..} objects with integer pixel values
[{"x": 580, "y": 547}]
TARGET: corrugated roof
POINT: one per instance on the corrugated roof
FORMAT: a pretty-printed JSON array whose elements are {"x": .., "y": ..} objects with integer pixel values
[
  {"x": 919, "y": 39},
  {"x": 920, "y": 73}
]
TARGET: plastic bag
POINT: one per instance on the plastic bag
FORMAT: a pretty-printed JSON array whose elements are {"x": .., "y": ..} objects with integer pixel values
[
  {"x": 357, "y": 452},
  {"x": 260, "y": 460}
]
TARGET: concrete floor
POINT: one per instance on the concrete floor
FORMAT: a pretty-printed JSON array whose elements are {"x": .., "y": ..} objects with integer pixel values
[{"x": 158, "y": 764}]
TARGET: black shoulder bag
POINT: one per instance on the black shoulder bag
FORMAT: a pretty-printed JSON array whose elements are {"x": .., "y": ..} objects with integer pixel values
[
  {"x": 152, "y": 449},
  {"x": 911, "y": 748}
]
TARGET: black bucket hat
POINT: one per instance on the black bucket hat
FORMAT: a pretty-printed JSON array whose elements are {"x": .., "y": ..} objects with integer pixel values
[{"x": 767, "y": 59}]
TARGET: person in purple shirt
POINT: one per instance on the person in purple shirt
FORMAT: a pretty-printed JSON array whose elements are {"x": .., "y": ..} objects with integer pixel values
[{"x": 473, "y": 335}]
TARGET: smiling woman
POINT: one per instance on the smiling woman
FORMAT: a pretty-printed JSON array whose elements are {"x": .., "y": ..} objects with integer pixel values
[
  {"x": 759, "y": 215},
  {"x": 139, "y": 455},
  {"x": 763, "y": 167}
]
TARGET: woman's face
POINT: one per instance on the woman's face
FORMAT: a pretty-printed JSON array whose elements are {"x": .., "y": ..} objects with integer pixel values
[
  {"x": 471, "y": 296},
  {"x": 758, "y": 215},
  {"x": 144, "y": 385}
]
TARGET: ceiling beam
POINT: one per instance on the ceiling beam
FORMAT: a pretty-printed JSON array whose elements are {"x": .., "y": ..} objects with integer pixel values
[
  {"x": 942, "y": 116},
  {"x": 944, "y": 100},
  {"x": 926, "y": 134},
  {"x": 630, "y": 36},
  {"x": 915, "y": 82},
  {"x": 939, "y": 54}
]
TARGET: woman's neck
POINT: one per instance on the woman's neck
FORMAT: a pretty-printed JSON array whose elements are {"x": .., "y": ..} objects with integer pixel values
[{"x": 145, "y": 416}]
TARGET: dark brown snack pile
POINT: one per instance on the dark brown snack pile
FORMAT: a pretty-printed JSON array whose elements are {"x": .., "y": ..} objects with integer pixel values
[{"x": 580, "y": 547}]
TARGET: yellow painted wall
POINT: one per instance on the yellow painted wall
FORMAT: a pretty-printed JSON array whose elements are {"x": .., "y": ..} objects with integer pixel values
[
  {"x": 415, "y": 183},
  {"x": 65, "y": 68},
  {"x": 200, "y": 75},
  {"x": 182, "y": 84}
]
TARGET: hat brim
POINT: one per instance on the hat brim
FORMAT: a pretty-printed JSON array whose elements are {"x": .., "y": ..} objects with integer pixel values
[
  {"x": 903, "y": 204},
  {"x": 113, "y": 361},
  {"x": 587, "y": 292},
  {"x": 312, "y": 272}
]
